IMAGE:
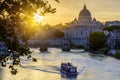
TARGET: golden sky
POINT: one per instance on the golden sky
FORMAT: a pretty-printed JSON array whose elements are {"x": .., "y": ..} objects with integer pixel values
[{"x": 67, "y": 10}]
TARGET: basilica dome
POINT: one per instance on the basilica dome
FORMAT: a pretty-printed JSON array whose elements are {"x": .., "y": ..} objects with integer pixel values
[{"x": 85, "y": 15}]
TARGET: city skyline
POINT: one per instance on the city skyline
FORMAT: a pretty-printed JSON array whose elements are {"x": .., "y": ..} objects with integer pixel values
[{"x": 103, "y": 10}]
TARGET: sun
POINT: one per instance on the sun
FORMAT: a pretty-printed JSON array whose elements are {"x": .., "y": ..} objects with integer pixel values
[{"x": 38, "y": 18}]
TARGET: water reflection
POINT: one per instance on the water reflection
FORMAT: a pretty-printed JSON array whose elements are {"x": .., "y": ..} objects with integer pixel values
[
  {"x": 44, "y": 52},
  {"x": 47, "y": 67},
  {"x": 75, "y": 51},
  {"x": 99, "y": 57},
  {"x": 68, "y": 78}
]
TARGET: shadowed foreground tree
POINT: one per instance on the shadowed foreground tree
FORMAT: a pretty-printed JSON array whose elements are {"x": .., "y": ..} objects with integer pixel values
[
  {"x": 17, "y": 26},
  {"x": 97, "y": 40}
]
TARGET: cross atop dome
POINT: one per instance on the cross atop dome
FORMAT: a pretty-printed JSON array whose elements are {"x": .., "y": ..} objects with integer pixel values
[{"x": 85, "y": 6}]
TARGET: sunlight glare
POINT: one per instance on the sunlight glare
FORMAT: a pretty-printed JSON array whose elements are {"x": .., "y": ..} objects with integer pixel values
[{"x": 38, "y": 18}]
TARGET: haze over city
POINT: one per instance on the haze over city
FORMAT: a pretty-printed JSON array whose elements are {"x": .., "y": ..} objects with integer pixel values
[
  {"x": 59, "y": 40},
  {"x": 67, "y": 10}
]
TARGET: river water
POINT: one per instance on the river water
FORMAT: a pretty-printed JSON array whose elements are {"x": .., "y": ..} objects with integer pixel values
[{"x": 90, "y": 66}]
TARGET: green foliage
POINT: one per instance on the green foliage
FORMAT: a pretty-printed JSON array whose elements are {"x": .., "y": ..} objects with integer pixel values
[
  {"x": 103, "y": 51},
  {"x": 97, "y": 40},
  {"x": 76, "y": 46},
  {"x": 58, "y": 34},
  {"x": 117, "y": 54},
  {"x": 34, "y": 59},
  {"x": 16, "y": 18},
  {"x": 111, "y": 28}
]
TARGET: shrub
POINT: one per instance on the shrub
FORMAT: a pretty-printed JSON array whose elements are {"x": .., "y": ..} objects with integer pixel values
[
  {"x": 117, "y": 55},
  {"x": 105, "y": 51},
  {"x": 34, "y": 59},
  {"x": 97, "y": 40}
]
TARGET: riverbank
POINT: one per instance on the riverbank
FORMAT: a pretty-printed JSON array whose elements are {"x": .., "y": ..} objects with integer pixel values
[
  {"x": 109, "y": 52},
  {"x": 104, "y": 51}
]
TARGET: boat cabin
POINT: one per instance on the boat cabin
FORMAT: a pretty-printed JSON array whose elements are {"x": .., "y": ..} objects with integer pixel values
[{"x": 72, "y": 69}]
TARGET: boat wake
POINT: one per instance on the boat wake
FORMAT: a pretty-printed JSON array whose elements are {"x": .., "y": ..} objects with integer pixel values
[
  {"x": 41, "y": 69},
  {"x": 80, "y": 71},
  {"x": 51, "y": 69}
]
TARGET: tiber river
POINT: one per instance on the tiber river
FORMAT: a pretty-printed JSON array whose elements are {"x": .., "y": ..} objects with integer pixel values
[{"x": 90, "y": 67}]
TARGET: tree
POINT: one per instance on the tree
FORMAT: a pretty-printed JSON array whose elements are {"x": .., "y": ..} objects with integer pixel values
[
  {"x": 97, "y": 40},
  {"x": 111, "y": 28},
  {"x": 17, "y": 25}
]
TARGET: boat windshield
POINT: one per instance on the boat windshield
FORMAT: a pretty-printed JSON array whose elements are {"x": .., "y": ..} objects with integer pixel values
[{"x": 72, "y": 69}]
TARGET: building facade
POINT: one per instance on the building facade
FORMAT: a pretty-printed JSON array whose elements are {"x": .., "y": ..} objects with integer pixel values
[
  {"x": 113, "y": 40},
  {"x": 80, "y": 28}
]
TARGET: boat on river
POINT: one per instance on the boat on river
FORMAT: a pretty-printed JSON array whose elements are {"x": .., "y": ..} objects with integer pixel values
[{"x": 68, "y": 70}]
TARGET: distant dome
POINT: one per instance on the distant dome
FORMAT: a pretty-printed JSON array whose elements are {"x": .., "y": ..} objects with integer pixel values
[
  {"x": 85, "y": 15},
  {"x": 85, "y": 12}
]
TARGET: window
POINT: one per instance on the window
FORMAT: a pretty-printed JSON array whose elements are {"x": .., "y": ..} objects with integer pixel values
[{"x": 81, "y": 33}]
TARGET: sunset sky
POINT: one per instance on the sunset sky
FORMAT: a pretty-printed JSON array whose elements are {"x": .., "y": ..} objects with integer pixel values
[{"x": 67, "y": 10}]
